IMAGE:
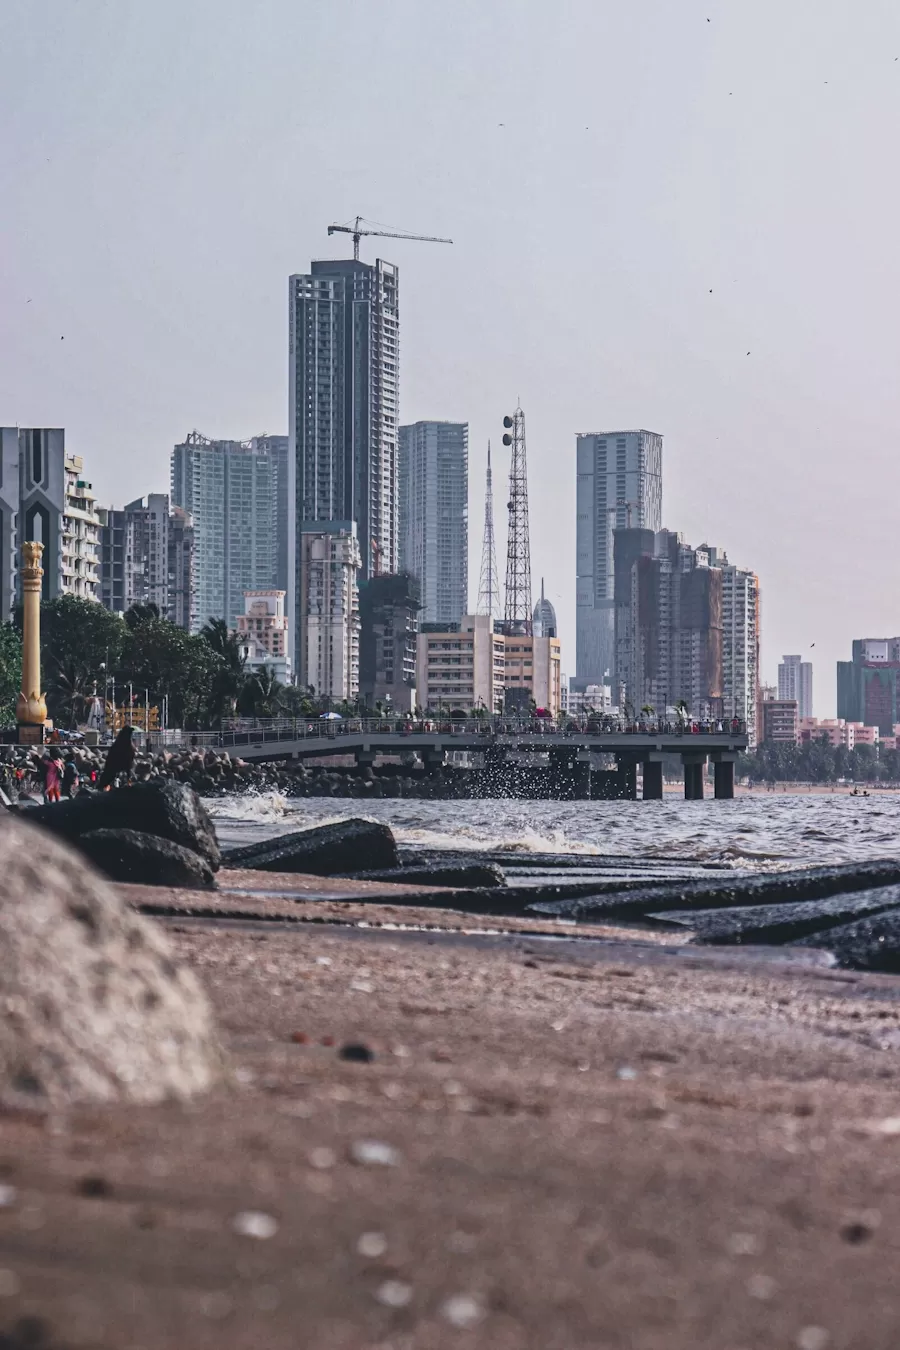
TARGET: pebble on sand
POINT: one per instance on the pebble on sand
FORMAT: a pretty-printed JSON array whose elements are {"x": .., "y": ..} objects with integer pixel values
[
  {"x": 371, "y": 1245},
  {"x": 374, "y": 1153},
  {"x": 322, "y": 1158},
  {"x": 462, "y": 1311},
  {"x": 253, "y": 1223},
  {"x": 812, "y": 1338},
  {"x": 394, "y": 1294}
]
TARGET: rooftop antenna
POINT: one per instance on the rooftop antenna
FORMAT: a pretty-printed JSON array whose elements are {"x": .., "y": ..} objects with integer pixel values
[
  {"x": 518, "y": 616},
  {"x": 489, "y": 582}
]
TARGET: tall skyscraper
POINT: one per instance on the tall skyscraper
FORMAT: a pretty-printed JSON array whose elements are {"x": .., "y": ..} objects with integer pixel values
[
  {"x": 668, "y": 623},
  {"x": 343, "y": 372},
  {"x": 795, "y": 681},
  {"x": 619, "y": 487},
  {"x": 434, "y": 507},
  {"x": 233, "y": 491},
  {"x": 44, "y": 496},
  {"x": 740, "y": 643}
]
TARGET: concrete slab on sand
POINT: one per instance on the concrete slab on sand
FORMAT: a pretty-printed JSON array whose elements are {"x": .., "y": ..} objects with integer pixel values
[{"x": 558, "y": 1145}]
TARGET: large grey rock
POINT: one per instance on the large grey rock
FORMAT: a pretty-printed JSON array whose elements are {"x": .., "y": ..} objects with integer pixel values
[
  {"x": 872, "y": 943},
  {"x": 161, "y": 807},
  {"x": 92, "y": 1004},
  {"x": 328, "y": 850},
  {"x": 781, "y": 923},
  {"x": 765, "y": 888},
  {"x": 145, "y": 859}
]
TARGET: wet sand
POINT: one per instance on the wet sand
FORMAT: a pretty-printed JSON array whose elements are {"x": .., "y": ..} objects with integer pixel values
[{"x": 612, "y": 1141}]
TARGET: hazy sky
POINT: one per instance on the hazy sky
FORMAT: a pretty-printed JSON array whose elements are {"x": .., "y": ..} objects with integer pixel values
[{"x": 674, "y": 185}]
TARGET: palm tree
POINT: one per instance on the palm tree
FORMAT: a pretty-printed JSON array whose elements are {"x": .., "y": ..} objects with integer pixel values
[
  {"x": 263, "y": 694},
  {"x": 229, "y": 680}
]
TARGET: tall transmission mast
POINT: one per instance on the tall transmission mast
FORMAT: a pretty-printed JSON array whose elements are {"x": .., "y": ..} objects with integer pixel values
[
  {"x": 489, "y": 582},
  {"x": 518, "y": 616}
]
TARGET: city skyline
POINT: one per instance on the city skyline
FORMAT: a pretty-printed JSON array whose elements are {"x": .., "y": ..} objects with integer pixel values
[{"x": 704, "y": 316}]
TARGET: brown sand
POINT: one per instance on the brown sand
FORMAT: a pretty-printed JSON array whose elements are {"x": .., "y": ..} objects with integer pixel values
[{"x": 588, "y": 1144}]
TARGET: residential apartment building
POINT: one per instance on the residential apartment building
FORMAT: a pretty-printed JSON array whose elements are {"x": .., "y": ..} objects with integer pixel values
[
  {"x": 328, "y": 610},
  {"x": 779, "y": 721},
  {"x": 470, "y": 667},
  {"x": 868, "y": 685},
  {"x": 134, "y": 554},
  {"x": 389, "y": 623},
  {"x": 741, "y": 625},
  {"x": 795, "y": 681},
  {"x": 182, "y": 608},
  {"x": 839, "y": 733},
  {"x": 532, "y": 674},
  {"x": 619, "y": 487},
  {"x": 262, "y": 632},
  {"x": 45, "y": 497},
  {"x": 433, "y": 516},
  {"x": 235, "y": 493},
  {"x": 460, "y": 666},
  {"x": 80, "y": 550},
  {"x": 343, "y": 374},
  {"x": 668, "y": 623}
]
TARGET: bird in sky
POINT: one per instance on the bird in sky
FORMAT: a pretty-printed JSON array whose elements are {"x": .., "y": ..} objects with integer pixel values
[
  {"x": 748, "y": 353},
  {"x": 710, "y": 290},
  {"x": 63, "y": 338},
  {"x": 811, "y": 645}
]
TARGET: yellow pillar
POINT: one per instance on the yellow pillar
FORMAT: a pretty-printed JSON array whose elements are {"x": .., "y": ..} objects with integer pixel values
[{"x": 31, "y": 707}]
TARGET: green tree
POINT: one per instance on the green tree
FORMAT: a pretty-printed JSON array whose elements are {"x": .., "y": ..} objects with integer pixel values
[
  {"x": 263, "y": 694},
  {"x": 78, "y": 639},
  {"x": 168, "y": 662},
  {"x": 10, "y": 673},
  {"x": 228, "y": 681}
]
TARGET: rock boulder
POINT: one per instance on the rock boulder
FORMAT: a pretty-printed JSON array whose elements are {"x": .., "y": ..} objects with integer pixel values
[
  {"x": 161, "y": 807},
  {"x": 92, "y": 1004},
  {"x": 145, "y": 859},
  {"x": 327, "y": 850}
]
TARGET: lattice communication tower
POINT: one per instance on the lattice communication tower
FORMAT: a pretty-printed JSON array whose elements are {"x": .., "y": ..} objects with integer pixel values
[{"x": 518, "y": 615}]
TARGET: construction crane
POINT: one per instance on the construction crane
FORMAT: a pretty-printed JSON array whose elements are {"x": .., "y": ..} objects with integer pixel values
[{"x": 357, "y": 233}]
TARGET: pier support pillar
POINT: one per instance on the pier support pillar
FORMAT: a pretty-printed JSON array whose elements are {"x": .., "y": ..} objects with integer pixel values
[
  {"x": 653, "y": 780},
  {"x": 581, "y": 775},
  {"x": 627, "y": 774},
  {"x": 605, "y": 785},
  {"x": 723, "y": 771},
  {"x": 693, "y": 779}
]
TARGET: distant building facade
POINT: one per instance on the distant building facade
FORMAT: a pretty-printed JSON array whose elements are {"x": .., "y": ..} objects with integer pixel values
[
  {"x": 182, "y": 609},
  {"x": 780, "y": 722},
  {"x": 741, "y": 626},
  {"x": 235, "y": 493},
  {"x": 544, "y": 617},
  {"x": 328, "y": 610},
  {"x": 868, "y": 685},
  {"x": 343, "y": 374},
  {"x": 795, "y": 681},
  {"x": 668, "y": 623},
  {"x": 262, "y": 632},
  {"x": 619, "y": 486},
  {"x": 388, "y": 627},
  {"x": 433, "y": 515},
  {"x": 44, "y": 496},
  {"x": 473, "y": 668}
]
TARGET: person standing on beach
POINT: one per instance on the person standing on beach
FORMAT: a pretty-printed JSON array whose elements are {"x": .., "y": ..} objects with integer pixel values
[{"x": 52, "y": 777}]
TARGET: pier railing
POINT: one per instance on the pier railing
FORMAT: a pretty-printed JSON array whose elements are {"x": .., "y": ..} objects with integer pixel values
[{"x": 243, "y": 731}]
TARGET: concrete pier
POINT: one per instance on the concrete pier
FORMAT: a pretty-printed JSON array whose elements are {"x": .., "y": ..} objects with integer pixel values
[
  {"x": 693, "y": 778},
  {"x": 653, "y": 780},
  {"x": 723, "y": 774}
]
